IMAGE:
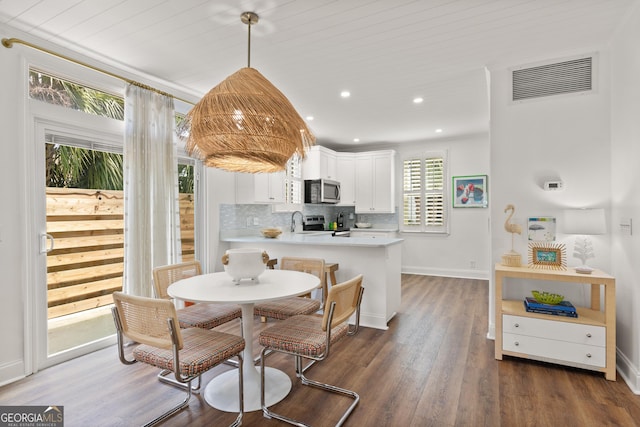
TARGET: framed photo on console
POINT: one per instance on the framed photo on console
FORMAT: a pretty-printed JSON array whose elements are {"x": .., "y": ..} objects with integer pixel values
[{"x": 547, "y": 255}]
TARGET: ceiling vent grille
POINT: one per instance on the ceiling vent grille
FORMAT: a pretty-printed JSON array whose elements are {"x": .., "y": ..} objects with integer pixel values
[{"x": 553, "y": 79}]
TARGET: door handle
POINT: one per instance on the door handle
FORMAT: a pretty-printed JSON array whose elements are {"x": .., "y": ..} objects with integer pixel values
[{"x": 43, "y": 243}]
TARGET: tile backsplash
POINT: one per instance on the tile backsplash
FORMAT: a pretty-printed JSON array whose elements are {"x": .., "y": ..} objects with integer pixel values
[{"x": 257, "y": 216}]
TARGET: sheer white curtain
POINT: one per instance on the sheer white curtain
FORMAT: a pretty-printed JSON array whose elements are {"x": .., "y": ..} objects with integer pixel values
[{"x": 151, "y": 217}]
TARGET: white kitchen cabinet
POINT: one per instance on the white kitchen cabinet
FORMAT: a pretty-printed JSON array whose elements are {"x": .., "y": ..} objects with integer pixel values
[
  {"x": 587, "y": 341},
  {"x": 260, "y": 188},
  {"x": 346, "y": 176},
  {"x": 375, "y": 189},
  {"x": 319, "y": 163}
]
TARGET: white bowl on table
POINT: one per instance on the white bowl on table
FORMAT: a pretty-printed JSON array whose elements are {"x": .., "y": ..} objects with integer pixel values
[{"x": 245, "y": 263}]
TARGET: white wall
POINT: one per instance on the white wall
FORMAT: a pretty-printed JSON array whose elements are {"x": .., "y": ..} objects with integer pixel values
[
  {"x": 219, "y": 189},
  {"x": 468, "y": 239},
  {"x": 625, "y": 248},
  {"x": 12, "y": 219},
  {"x": 565, "y": 137}
]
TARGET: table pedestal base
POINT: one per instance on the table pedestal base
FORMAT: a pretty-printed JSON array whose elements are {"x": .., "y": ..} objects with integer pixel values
[{"x": 222, "y": 391}]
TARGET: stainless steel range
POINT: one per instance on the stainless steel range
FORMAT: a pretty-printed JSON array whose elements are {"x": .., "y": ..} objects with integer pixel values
[{"x": 313, "y": 223}]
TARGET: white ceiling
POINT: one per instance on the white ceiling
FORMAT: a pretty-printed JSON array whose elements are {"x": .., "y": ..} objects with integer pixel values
[{"x": 385, "y": 52}]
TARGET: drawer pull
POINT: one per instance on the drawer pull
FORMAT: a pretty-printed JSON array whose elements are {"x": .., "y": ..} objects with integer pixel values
[
  {"x": 588, "y": 335},
  {"x": 517, "y": 343},
  {"x": 517, "y": 325},
  {"x": 589, "y": 355}
]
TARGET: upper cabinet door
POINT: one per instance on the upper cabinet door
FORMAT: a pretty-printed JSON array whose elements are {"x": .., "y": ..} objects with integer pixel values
[
  {"x": 346, "y": 176},
  {"x": 260, "y": 188},
  {"x": 375, "y": 188},
  {"x": 319, "y": 163},
  {"x": 269, "y": 187}
]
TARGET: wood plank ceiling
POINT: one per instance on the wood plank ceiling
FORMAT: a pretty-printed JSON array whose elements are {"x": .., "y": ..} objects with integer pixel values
[{"x": 385, "y": 52}]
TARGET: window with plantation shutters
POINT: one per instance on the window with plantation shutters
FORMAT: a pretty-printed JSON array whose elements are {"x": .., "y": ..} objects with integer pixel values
[
  {"x": 424, "y": 193},
  {"x": 293, "y": 181},
  {"x": 293, "y": 185}
]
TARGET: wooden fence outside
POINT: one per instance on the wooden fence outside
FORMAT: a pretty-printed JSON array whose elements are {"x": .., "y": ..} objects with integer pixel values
[{"x": 87, "y": 263}]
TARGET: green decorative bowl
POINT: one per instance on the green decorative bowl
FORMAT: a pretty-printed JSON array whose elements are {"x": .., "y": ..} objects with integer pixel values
[{"x": 547, "y": 298}]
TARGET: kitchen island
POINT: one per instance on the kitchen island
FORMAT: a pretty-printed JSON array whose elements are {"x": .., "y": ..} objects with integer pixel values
[{"x": 378, "y": 259}]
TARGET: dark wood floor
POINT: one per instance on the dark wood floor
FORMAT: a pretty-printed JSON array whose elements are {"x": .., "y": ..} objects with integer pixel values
[{"x": 433, "y": 367}]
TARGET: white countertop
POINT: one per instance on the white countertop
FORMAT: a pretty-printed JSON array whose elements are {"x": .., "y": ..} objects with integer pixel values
[
  {"x": 323, "y": 238},
  {"x": 384, "y": 229}
]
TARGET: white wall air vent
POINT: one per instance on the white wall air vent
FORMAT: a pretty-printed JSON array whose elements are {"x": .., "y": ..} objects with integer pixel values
[{"x": 553, "y": 79}]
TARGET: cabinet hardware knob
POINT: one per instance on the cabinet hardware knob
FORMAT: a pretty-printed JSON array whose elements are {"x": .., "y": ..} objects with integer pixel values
[
  {"x": 517, "y": 343},
  {"x": 588, "y": 335},
  {"x": 589, "y": 355},
  {"x": 517, "y": 325}
]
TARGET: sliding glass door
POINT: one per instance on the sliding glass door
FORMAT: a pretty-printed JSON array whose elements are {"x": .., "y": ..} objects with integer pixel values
[{"x": 79, "y": 211}]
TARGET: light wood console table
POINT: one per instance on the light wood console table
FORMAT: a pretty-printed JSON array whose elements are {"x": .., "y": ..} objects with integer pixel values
[{"x": 588, "y": 341}]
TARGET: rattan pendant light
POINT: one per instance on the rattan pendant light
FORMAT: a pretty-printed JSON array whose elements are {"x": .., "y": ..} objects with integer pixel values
[{"x": 245, "y": 124}]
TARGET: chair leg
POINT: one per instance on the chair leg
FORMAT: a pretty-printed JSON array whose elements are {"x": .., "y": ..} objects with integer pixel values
[
  {"x": 166, "y": 376},
  {"x": 179, "y": 407},
  {"x": 238, "y": 420},
  {"x": 305, "y": 381},
  {"x": 189, "y": 388},
  {"x": 334, "y": 389}
]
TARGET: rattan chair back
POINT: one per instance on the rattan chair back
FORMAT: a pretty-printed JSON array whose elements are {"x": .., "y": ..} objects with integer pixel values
[
  {"x": 346, "y": 296},
  {"x": 168, "y": 274},
  {"x": 313, "y": 266},
  {"x": 146, "y": 320}
]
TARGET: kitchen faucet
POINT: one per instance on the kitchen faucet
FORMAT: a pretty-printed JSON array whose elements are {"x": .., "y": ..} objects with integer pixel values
[{"x": 293, "y": 221}]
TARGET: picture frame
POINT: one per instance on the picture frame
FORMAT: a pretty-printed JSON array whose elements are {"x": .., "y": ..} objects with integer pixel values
[
  {"x": 552, "y": 256},
  {"x": 541, "y": 229},
  {"x": 470, "y": 191}
]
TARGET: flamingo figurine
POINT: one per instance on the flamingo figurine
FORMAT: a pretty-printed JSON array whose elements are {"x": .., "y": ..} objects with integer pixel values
[{"x": 511, "y": 228}]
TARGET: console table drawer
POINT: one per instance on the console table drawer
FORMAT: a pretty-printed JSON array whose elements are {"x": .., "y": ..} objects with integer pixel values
[
  {"x": 560, "y": 351},
  {"x": 555, "y": 330}
]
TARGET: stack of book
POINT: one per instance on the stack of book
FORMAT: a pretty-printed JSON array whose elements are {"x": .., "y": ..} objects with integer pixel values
[{"x": 563, "y": 308}]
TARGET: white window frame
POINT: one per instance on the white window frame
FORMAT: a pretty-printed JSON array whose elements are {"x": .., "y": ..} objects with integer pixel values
[
  {"x": 421, "y": 226},
  {"x": 293, "y": 187}
]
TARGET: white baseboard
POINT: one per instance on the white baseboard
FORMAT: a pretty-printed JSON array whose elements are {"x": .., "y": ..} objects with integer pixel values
[
  {"x": 11, "y": 372},
  {"x": 373, "y": 321},
  {"x": 491, "y": 333},
  {"x": 629, "y": 373}
]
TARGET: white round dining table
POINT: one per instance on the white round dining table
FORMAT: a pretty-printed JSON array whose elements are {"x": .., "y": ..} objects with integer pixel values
[{"x": 222, "y": 391}]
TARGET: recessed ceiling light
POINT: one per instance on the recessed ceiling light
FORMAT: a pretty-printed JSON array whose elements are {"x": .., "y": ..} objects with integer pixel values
[
  {"x": 356, "y": 139},
  {"x": 345, "y": 94},
  {"x": 438, "y": 130},
  {"x": 418, "y": 100},
  {"x": 310, "y": 118}
]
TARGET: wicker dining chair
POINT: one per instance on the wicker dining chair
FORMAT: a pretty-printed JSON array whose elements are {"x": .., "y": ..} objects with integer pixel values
[
  {"x": 206, "y": 316},
  {"x": 310, "y": 337},
  {"x": 153, "y": 323},
  {"x": 202, "y": 315},
  {"x": 293, "y": 306}
]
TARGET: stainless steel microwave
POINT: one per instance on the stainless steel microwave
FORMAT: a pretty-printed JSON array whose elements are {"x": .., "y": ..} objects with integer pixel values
[{"x": 321, "y": 191}]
